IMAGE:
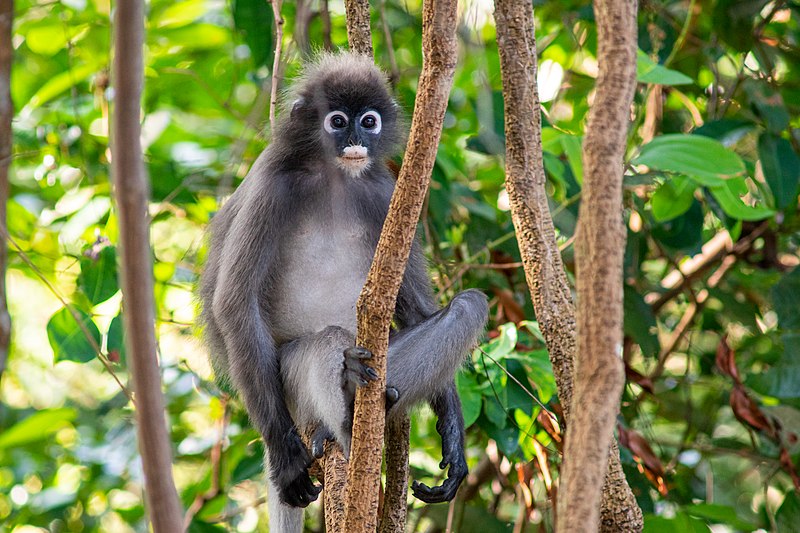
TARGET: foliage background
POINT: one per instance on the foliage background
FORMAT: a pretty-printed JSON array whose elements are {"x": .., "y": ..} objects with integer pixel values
[{"x": 710, "y": 415}]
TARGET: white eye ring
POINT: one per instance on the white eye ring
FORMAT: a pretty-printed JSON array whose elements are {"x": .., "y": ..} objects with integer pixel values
[
  {"x": 328, "y": 123},
  {"x": 376, "y": 116}
]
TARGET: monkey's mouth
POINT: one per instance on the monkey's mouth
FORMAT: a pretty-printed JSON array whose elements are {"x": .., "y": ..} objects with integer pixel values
[{"x": 354, "y": 160}]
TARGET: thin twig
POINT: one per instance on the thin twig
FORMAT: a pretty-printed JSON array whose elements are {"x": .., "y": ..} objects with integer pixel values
[{"x": 276, "y": 64}]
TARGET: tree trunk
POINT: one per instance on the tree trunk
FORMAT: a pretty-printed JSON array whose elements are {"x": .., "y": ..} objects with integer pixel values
[
  {"x": 137, "y": 273},
  {"x": 393, "y": 515},
  {"x": 377, "y": 301},
  {"x": 6, "y": 141},
  {"x": 544, "y": 269},
  {"x": 599, "y": 251},
  {"x": 359, "y": 35}
]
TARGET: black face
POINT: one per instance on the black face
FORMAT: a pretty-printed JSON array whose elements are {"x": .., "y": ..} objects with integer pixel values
[{"x": 360, "y": 129}]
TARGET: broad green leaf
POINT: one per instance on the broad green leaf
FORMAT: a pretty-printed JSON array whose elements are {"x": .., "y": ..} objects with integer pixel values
[
  {"x": 680, "y": 523},
  {"x": 648, "y": 71},
  {"x": 471, "y": 398},
  {"x": 493, "y": 407},
  {"x": 786, "y": 298},
  {"x": 719, "y": 514},
  {"x": 728, "y": 196},
  {"x": 540, "y": 373},
  {"x": 684, "y": 232},
  {"x": 199, "y": 36},
  {"x": 68, "y": 340},
  {"x": 781, "y": 168},
  {"x": 181, "y": 14},
  {"x": 769, "y": 104},
  {"x": 38, "y": 426},
  {"x": 703, "y": 159},
  {"x": 672, "y": 198},
  {"x": 61, "y": 83},
  {"x": 98, "y": 277},
  {"x": 51, "y": 38}
]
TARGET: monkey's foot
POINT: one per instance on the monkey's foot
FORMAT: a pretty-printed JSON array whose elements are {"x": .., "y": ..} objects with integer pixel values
[
  {"x": 289, "y": 461},
  {"x": 355, "y": 370},
  {"x": 447, "y": 490},
  {"x": 318, "y": 440}
]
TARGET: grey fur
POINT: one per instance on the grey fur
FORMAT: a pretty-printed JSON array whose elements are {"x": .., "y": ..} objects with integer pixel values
[{"x": 289, "y": 254}]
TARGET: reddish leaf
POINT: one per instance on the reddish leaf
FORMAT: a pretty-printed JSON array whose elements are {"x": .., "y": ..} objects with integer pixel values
[
  {"x": 636, "y": 377},
  {"x": 748, "y": 412},
  {"x": 788, "y": 465},
  {"x": 726, "y": 359},
  {"x": 512, "y": 311},
  {"x": 547, "y": 423},
  {"x": 649, "y": 464}
]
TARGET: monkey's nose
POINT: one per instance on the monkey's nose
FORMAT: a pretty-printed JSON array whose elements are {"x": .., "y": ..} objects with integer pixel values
[{"x": 355, "y": 152}]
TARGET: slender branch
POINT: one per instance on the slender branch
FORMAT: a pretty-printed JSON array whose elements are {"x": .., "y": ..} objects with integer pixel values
[
  {"x": 276, "y": 63},
  {"x": 393, "y": 515},
  {"x": 6, "y": 141},
  {"x": 377, "y": 301},
  {"x": 131, "y": 191}
]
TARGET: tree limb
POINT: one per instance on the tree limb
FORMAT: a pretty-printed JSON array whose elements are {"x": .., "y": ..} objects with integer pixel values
[
  {"x": 599, "y": 251},
  {"x": 377, "y": 301},
  {"x": 132, "y": 193}
]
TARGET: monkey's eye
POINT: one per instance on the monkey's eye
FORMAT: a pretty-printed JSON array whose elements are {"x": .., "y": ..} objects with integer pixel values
[
  {"x": 371, "y": 121},
  {"x": 335, "y": 120}
]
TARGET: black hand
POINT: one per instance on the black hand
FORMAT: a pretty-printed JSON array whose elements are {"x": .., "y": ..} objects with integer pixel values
[
  {"x": 355, "y": 371},
  {"x": 289, "y": 461}
]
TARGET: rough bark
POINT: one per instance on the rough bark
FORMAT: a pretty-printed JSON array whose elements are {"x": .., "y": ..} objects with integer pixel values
[
  {"x": 599, "y": 251},
  {"x": 359, "y": 34},
  {"x": 544, "y": 269},
  {"x": 6, "y": 114},
  {"x": 335, "y": 468},
  {"x": 393, "y": 515},
  {"x": 131, "y": 190},
  {"x": 376, "y": 304}
]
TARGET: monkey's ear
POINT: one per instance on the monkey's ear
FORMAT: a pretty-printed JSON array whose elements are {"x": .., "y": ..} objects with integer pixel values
[{"x": 297, "y": 105}]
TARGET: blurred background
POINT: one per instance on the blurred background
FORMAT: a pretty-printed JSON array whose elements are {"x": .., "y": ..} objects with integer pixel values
[{"x": 710, "y": 415}]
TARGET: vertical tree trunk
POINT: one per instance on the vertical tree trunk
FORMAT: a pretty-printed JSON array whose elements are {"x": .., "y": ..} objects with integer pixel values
[
  {"x": 137, "y": 278},
  {"x": 599, "y": 251},
  {"x": 393, "y": 515},
  {"x": 544, "y": 269},
  {"x": 377, "y": 301},
  {"x": 6, "y": 141},
  {"x": 359, "y": 35}
]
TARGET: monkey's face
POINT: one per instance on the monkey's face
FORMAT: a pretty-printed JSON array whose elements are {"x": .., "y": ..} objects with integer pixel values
[{"x": 354, "y": 137}]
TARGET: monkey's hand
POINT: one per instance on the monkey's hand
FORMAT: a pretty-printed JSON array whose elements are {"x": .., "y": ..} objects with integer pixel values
[
  {"x": 358, "y": 374},
  {"x": 289, "y": 461}
]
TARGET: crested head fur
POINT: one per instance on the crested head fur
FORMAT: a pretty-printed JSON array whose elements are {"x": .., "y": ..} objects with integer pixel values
[{"x": 333, "y": 81}]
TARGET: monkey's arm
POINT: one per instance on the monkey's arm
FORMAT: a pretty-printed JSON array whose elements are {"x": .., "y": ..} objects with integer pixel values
[{"x": 246, "y": 260}]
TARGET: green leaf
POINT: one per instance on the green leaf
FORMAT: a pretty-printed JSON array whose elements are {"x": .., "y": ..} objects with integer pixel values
[
  {"x": 648, "y": 71},
  {"x": 719, "y": 514},
  {"x": 50, "y": 38},
  {"x": 769, "y": 105},
  {"x": 684, "y": 232},
  {"x": 728, "y": 196},
  {"x": 494, "y": 409},
  {"x": 781, "y": 168},
  {"x": 98, "y": 277},
  {"x": 471, "y": 397},
  {"x": 181, "y": 14},
  {"x": 505, "y": 343},
  {"x": 253, "y": 18},
  {"x": 61, "y": 83},
  {"x": 672, "y": 198},
  {"x": 788, "y": 515},
  {"x": 703, "y": 159},
  {"x": 786, "y": 298},
  {"x": 68, "y": 340},
  {"x": 640, "y": 322},
  {"x": 571, "y": 144},
  {"x": 36, "y": 427},
  {"x": 115, "y": 340},
  {"x": 199, "y": 36}
]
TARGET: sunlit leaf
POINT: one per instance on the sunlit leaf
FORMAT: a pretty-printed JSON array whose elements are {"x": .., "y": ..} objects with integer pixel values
[
  {"x": 98, "y": 277},
  {"x": 672, "y": 198},
  {"x": 38, "y": 426},
  {"x": 648, "y": 71},
  {"x": 728, "y": 196},
  {"x": 69, "y": 340}
]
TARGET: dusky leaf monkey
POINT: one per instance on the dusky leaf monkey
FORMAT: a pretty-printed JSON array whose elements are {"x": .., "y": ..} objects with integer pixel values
[{"x": 289, "y": 254}]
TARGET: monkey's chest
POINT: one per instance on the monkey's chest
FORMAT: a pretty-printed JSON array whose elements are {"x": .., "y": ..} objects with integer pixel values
[{"x": 321, "y": 276}]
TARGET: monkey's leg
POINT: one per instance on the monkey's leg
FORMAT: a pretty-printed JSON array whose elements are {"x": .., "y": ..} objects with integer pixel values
[
  {"x": 424, "y": 358},
  {"x": 283, "y": 518}
]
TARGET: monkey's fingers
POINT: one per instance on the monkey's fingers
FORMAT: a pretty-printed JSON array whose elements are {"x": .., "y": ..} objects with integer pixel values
[
  {"x": 358, "y": 373},
  {"x": 357, "y": 352}
]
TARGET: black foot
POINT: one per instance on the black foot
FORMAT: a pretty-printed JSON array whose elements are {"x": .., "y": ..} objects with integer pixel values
[
  {"x": 289, "y": 461},
  {"x": 318, "y": 440}
]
